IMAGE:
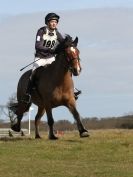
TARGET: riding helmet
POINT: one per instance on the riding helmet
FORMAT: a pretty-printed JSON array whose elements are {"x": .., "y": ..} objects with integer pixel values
[{"x": 51, "y": 16}]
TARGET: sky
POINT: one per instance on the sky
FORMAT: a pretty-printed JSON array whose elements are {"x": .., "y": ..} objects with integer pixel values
[
  {"x": 105, "y": 44},
  {"x": 23, "y": 6}
]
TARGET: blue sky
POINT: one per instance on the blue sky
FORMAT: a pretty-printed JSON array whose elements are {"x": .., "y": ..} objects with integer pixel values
[{"x": 28, "y": 6}]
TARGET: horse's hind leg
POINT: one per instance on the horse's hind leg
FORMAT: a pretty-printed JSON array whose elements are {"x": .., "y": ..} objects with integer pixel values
[
  {"x": 41, "y": 111},
  {"x": 51, "y": 123},
  {"x": 82, "y": 131}
]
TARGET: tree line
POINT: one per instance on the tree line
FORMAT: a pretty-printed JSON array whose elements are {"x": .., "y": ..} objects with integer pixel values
[{"x": 124, "y": 122}]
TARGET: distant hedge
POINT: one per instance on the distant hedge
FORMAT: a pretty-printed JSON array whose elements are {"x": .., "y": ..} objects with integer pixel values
[{"x": 124, "y": 122}]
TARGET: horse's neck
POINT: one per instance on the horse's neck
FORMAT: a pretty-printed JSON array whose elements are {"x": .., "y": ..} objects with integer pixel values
[
  {"x": 57, "y": 74},
  {"x": 61, "y": 67},
  {"x": 61, "y": 64}
]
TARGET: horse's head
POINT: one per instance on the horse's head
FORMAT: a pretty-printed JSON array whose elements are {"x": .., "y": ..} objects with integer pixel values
[
  {"x": 69, "y": 48},
  {"x": 72, "y": 55}
]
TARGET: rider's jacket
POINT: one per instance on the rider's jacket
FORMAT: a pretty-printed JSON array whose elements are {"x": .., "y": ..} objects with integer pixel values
[{"x": 45, "y": 41}]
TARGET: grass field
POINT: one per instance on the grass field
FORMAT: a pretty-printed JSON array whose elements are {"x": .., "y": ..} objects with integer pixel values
[{"x": 106, "y": 153}]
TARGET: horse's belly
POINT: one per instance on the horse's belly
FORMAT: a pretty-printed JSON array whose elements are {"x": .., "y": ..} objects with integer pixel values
[{"x": 61, "y": 100}]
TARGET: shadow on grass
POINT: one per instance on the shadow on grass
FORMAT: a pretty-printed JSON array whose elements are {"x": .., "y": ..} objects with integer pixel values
[
  {"x": 73, "y": 141},
  {"x": 15, "y": 138}
]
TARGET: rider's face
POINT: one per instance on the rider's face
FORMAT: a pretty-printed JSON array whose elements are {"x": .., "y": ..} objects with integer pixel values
[{"x": 52, "y": 24}]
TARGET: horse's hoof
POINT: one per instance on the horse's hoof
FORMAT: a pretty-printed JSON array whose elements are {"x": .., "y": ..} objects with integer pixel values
[
  {"x": 37, "y": 137},
  {"x": 16, "y": 128},
  {"x": 53, "y": 137},
  {"x": 84, "y": 134}
]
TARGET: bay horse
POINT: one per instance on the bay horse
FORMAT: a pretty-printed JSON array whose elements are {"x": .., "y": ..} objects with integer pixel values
[{"x": 54, "y": 87}]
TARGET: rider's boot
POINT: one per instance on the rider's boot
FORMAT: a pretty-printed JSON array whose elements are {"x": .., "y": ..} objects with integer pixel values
[
  {"x": 30, "y": 86},
  {"x": 77, "y": 93},
  {"x": 27, "y": 96}
]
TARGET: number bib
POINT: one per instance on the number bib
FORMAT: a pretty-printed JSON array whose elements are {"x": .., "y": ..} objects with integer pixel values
[{"x": 50, "y": 41}]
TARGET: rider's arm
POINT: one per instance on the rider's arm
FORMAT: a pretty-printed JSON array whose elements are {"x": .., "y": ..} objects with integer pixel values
[{"x": 39, "y": 44}]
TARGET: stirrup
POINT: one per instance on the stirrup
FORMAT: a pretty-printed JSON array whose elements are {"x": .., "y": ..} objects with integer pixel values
[
  {"x": 77, "y": 93},
  {"x": 27, "y": 98}
]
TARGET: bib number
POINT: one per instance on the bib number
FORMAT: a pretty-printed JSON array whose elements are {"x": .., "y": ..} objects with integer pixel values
[{"x": 48, "y": 43}]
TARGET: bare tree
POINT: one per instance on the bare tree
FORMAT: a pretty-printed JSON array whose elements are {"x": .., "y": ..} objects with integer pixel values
[{"x": 11, "y": 106}]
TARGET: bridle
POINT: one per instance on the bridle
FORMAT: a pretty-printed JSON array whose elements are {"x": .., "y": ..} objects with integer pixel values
[
  {"x": 68, "y": 50},
  {"x": 72, "y": 54}
]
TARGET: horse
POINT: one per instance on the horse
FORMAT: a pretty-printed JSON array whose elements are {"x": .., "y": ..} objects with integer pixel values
[{"x": 53, "y": 87}]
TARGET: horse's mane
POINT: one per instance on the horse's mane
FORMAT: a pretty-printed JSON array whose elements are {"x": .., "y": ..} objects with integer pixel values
[{"x": 64, "y": 44}]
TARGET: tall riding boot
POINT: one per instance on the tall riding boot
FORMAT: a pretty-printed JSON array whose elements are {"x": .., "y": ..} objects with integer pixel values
[
  {"x": 30, "y": 87},
  {"x": 27, "y": 96}
]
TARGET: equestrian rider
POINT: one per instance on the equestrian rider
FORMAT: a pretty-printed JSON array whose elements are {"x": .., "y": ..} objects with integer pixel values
[{"x": 47, "y": 38}]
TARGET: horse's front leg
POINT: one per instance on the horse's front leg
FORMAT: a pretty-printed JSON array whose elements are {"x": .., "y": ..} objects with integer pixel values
[
  {"x": 50, "y": 123},
  {"x": 41, "y": 111},
  {"x": 82, "y": 131}
]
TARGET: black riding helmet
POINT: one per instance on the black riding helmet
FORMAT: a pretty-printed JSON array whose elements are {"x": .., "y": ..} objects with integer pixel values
[{"x": 51, "y": 16}]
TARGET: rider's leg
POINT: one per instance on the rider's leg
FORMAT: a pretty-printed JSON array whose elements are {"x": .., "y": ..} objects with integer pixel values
[
  {"x": 38, "y": 62},
  {"x": 30, "y": 85}
]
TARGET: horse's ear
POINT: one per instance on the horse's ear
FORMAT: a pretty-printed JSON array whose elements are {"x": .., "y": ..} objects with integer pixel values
[
  {"x": 75, "y": 42},
  {"x": 68, "y": 37}
]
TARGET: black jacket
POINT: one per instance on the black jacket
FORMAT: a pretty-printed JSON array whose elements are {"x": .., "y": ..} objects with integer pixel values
[{"x": 45, "y": 43}]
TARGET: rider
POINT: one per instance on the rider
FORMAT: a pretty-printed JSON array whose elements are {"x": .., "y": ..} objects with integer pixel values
[{"x": 47, "y": 38}]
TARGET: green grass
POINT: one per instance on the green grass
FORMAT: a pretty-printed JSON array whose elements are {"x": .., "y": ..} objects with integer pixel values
[{"x": 106, "y": 153}]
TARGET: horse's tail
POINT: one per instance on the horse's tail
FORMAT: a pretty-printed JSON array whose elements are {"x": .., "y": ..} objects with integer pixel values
[
  {"x": 19, "y": 108},
  {"x": 13, "y": 107}
]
